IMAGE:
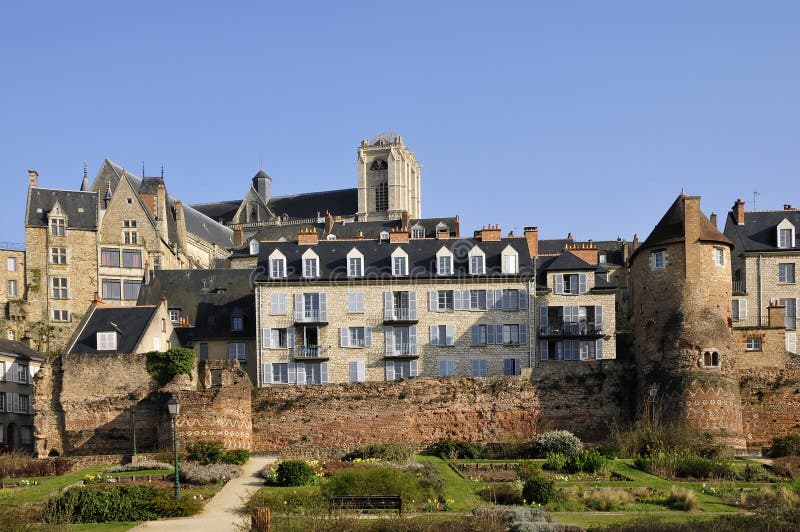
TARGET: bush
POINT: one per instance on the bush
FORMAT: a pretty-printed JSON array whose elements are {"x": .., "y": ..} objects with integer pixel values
[
  {"x": 589, "y": 462},
  {"x": 205, "y": 452},
  {"x": 300, "y": 501},
  {"x": 207, "y": 474},
  {"x": 608, "y": 499},
  {"x": 787, "y": 466},
  {"x": 412, "y": 484},
  {"x": 540, "y": 490},
  {"x": 557, "y": 441},
  {"x": 141, "y": 466},
  {"x": 555, "y": 462},
  {"x": 682, "y": 499},
  {"x": 454, "y": 449},
  {"x": 235, "y": 457},
  {"x": 641, "y": 439},
  {"x": 16, "y": 464},
  {"x": 788, "y": 445},
  {"x": 387, "y": 452},
  {"x": 294, "y": 473},
  {"x": 769, "y": 498},
  {"x": 685, "y": 465},
  {"x": 505, "y": 493},
  {"x": 528, "y": 469},
  {"x": 164, "y": 366}
]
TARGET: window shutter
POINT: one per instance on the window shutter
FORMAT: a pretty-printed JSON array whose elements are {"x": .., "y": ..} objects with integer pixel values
[
  {"x": 434, "y": 335},
  {"x": 389, "y": 370},
  {"x": 543, "y": 319},
  {"x": 344, "y": 337},
  {"x": 388, "y": 333},
  {"x": 791, "y": 342},
  {"x": 433, "y": 300},
  {"x": 490, "y": 299},
  {"x": 323, "y": 306},
  {"x": 412, "y": 339},
  {"x": 388, "y": 306},
  {"x": 517, "y": 367},
  {"x": 414, "y": 369},
  {"x": 523, "y": 333},
  {"x": 465, "y": 300},
  {"x": 457, "y": 304},
  {"x": 598, "y": 317},
  {"x": 266, "y": 373},
  {"x": 475, "y": 335},
  {"x": 508, "y": 366},
  {"x": 301, "y": 373},
  {"x": 275, "y": 337},
  {"x": 743, "y": 309},
  {"x": 543, "y": 350},
  {"x": 323, "y": 373},
  {"x": 451, "y": 334},
  {"x": 290, "y": 337},
  {"x": 412, "y": 304},
  {"x": 442, "y": 368},
  {"x": 490, "y": 334},
  {"x": 582, "y": 283},
  {"x": 523, "y": 299},
  {"x": 598, "y": 349},
  {"x": 558, "y": 279},
  {"x": 292, "y": 373},
  {"x": 298, "y": 307},
  {"x": 353, "y": 371},
  {"x": 30, "y": 404},
  {"x": 362, "y": 371},
  {"x": 12, "y": 370},
  {"x": 265, "y": 339},
  {"x": 498, "y": 300},
  {"x": 475, "y": 367},
  {"x": 351, "y": 301},
  {"x": 367, "y": 336}
]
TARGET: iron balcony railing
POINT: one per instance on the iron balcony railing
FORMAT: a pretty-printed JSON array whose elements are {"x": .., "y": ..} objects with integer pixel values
[
  {"x": 790, "y": 322},
  {"x": 738, "y": 286},
  {"x": 309, "y": 351},
  {"x": 402, "y": 350},
  {"x": 400, "y": 314},
  {"x": 311, "y": 315},
  {"x": 572, "y": 329}
]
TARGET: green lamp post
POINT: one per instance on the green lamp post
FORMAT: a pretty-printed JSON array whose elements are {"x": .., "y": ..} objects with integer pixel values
[{"x": 174, "y": 407}]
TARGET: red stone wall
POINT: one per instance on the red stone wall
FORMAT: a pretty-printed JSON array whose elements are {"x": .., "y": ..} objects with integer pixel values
[{"x": 770, "y": 403}]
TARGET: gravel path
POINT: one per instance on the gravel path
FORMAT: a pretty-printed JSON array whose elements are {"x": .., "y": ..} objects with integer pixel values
[{"x": 222, "y": 512}]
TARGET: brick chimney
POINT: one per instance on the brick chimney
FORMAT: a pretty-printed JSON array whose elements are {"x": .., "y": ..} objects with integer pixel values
[
  {"x": 532, "y": 236},
  {"x": 398, "y": 236},
  {"x": 237, "y": 237},
  {"x": 307, "y": 236},
  {"x": 585, "y": 251},
  {"x": 404, "y": 219},
  {"x": 787, "y": 207},
  {"x": 738, "y": 212},
  {"x": 33, "y": 177},
  {"x": 776, "y": 315},
  {"x": 328, "y": 222},
  {"x": 713, "y": 219},
  {"x": 491, "y": 233}
]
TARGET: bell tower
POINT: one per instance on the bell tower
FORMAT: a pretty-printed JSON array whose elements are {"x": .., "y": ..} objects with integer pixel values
[{"x": 388, "y": 179}]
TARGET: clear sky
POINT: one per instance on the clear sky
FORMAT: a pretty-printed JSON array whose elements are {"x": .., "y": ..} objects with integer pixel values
[{"x": 584, "y": 117}]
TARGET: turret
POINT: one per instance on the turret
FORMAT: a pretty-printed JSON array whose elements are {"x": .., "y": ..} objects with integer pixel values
[{"x": 262, "y": 183}]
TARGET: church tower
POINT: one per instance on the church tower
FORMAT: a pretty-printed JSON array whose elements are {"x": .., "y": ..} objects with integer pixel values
[
  {"x": 388, "y": 179},
  {"x": 684, "y": 345}
]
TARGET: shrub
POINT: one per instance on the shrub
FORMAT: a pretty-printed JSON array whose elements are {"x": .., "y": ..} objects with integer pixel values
[
  {"x": 682, "y": 499},
  {"x": 294, "y": 473},
  {"x": 235, "y": 457},
  {"x": 609, "y": 499},
  {"x": 412, "y": 484},
  {"x": 454, "y": 449},
  {"x": 16, "y": 465},
  {"x": 787, "y": 466},
  {"x": 554, "y": 462},
  {"x": 528, "y": 469},
  {"x": 207, "y": 474},
  {"x": 141, "y": 466},
  {"x": 205, "y": 452},
  {"x": 690, "y": 466},
  {"x": 387, "y": 452},
  {"x": 505, "y": 493},
  {"x": 768, "y": 498},
  {"x": 539, "y": 490},
  {"x": 754, "y": 473},
  {"x": 788, "y": 445},
  {"x": 557, "y": 441},
  {"x": 300, "y": 501},
  {"x": 641, "y": 439},
  {"x": 164, "y": 366},
  {"x": 585, "y": 461}
]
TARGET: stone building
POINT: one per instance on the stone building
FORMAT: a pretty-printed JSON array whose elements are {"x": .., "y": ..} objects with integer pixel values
[
  {"x": 12, "y": 289},
  {"x": 18, "y": 365},
  {"x": 764, "y": 263},
  {"x": 684, "y": 346}
]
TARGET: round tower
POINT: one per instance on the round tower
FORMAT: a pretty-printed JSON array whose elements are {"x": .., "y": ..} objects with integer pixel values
[{"x": 681, "y": 308}]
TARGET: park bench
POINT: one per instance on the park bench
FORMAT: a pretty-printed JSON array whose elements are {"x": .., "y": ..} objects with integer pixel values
[{"x": 367, "y": 502}]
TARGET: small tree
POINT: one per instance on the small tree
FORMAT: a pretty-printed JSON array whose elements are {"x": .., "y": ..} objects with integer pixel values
[{"x": 164, "y": 366}]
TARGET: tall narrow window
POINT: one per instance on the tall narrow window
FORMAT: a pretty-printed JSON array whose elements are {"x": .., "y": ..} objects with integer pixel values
[
  {"x": 58, "y": 226},
  {"x": 786, "y": 272},
  {"x": 382, "y": 197},
  {"x": 59, "y": 285},
  {"x": 355, "y": 267},
  {"x": 719, "y": 257},
  {"x": 12, "y": 289},
  {"x": 11, "y": 264},
  {"x": 277, "y": 268},
  {"x": 785, "y": 239}
]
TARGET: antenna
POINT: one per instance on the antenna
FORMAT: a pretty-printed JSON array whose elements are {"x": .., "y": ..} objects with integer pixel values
[
  {"x": 755, "y": 193},
  {"x": 261, "y": 160},
  {"x": 162, "y": 171},
  {"x": 142, "y": 169}
]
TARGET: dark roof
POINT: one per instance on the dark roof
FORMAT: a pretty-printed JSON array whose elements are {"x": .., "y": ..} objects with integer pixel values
[
  {"x": 207, "y": 299},
  {"x": 613, "y": 249},
  {"x": 261, "y": 173},
  {"x": 221, "y": 211},
  {"x": 150, "y": 185},
  {"x": 19, "y": 349},
  {"x": 310, "y": 205},
  {"x": 377, "y": 257},
  {"x": 129, "y": 323},
  {"x": 80, "y": 207},
  {"x": 759, "y": 232},
  {"x": 567, "y": 261}
]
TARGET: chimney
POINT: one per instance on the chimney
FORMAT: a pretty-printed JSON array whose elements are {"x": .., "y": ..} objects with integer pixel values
[
  {"x": 180, "y": 221},
  {"x": 713, "y": 219},
  {"x": 98, "y": 301},
  {"x": 404, "y": 220},
  {"x": 237, "y": 237},
  {"x": 532, "y": 236},
  {"x": 161, "y": 212},
  {"x": 328, "y": 222},
  {"x": 33, "y": 177},
  {"x": 442, "y": 234},
  {"x": 307, "y": 236},
  {"x": 398, "y": 236},
  {"x": 777, "y": 314},
  {"x": 738, "y": 212},
  {"x": 490, "y": 233},
  {"x": 787, "y": 207},
  {"x": 586, "y": 252}
]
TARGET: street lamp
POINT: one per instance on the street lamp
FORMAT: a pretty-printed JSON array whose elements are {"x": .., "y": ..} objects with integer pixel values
[
  {"x": 174, "y": 407},
  {"x": 134, "y": 400},
  {"x": 653, "y": 393}
]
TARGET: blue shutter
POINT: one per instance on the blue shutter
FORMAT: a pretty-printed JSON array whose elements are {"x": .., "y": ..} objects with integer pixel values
[
  {"x": 523, "y": 299},
  {"x": 367, "y": 336},
  {"x": 412, "y": 339},
  {"x": 508, "y": 366},
  {"x": 298, "y": 307},
  {"x": 451, "y": 334},
  {"x": 290, "y": 337},
  {"x": 388, "y": 333},
  {"x": 598, "y": 349},
  {"x": 490, "y": 299},
  {"x": 523, "y": 333},
  {"x": 490, "y": 339},
  {"x": 582, "y": 283},
  {"x": 598, "y": 317},
  {"x": 434, "y": 334},
  {"x": 266, "y": 373},
  {"x": 412, "y": 304},
  {"x": 499, "y": 304},
  {"x": 388, "y": 306},
  {"x": 475, "y": 335},
  {"x": 323, "y": 373},
  {"x": 433, "y": 300},
  {"x": 442, "y": 368},
  {"x": 323, "y": 306},
  {"x": 543, "y": 329},
  {"x": 543, "y": 350},
  {"x": 558, "y": 280}
]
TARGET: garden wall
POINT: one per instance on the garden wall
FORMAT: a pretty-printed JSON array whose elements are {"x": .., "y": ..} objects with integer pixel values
[{"x": 770, "y": 403}]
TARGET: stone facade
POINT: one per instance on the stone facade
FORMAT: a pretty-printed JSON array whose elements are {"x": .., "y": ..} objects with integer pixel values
[
  {"x": 16, "y": 396},
  {"x": 388, "y": 169},
  {"x": 218, "y": 351},
  {"x": 12, "y": 289},
  {"x": 770, "y": 403}
]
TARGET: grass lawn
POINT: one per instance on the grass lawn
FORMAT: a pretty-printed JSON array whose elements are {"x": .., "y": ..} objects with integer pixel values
[
  {"x": 47, "y": 485},
  {"x": 597, "y": 520},
  {"x": 456, "y": 488},
  {"x": 104, "y": 527}
]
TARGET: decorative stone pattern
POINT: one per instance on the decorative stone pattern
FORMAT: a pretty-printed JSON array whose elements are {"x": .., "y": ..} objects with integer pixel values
[{"x": 770, "y": 403}]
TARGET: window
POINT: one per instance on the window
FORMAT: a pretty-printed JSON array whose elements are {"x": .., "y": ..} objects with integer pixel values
[
  {"x": 130, "y": 237},
  {"x": 22, "y": 373},
  {"x": 417, "y": 231},
  {"x": 477, "y": 300},
  {"x": 445, "y": 300},
  {"x": 310, "y": 267},
  {"x": 236, "y": 351},
  {"x": 237, "y": 323},
  {"x": 358, "y": 371},
  {"x": 131, "y": 289},
  {"x": 12, "y": 288},
  {"x": 106, "y": 341},
  {"x": 445, "y": 265},
  {"x": 2, "y": 407},
  {"x": 510, "y": 261},
  {"x": 174, "y": 316},
  {"x": 719, "y": 257},
  {"x": 447, "y": 368},
  {"x": 156, "y": 343},
  {"x": 355, "y": 302},
  {"x": 277, "y": 268},
  {"x": 399, "y": 266},
  {"x": 203, "y": 351},
  {"x": 711, "y": 359},
  {"x": 510, "y": 299},
  {"x": 355, "y": 267},
  {"x": 442, "y": 335},
  {"x": 480, "y": 368},
  {"x": 739, "y": 309},
  {"x": 658, "y": 259},
  {"x": 58, "y": 255},
  {"x": 59, "y": 286},
  {"x": 603, "y": 259},
  {"x": 11, "y": 264},
  {"x": 60, "y": 315},
  {"x": 24, "y": 404},
  {"x": 476, "y": 265},
  {"x": 786, "y": 273},
  {"x": 511, "y": 334},
  {"x": 111, "y": 289},
  {"x": 511, "y": 367},
  {"x": 277, "y": 338},
  {"x": 130, "y": 223},
  {"x": 785, "y": 238},
  {"x": 109, "y": 257},
  {"x": 131, "y": 258},
  {"x": 277, "y": 304},
  {"x": 400, "y": 369},
  {"x": 280, "y": 373},
  {"x": 382, "y": 197},
  {"x": 2, "y": 374},
  {"x": 754, "y": 344},
  {"x": 401, "y": 341},
  {"x": 790, "y": 312},
  {"x": 357, "y": 337},
  {"x": 57, "y": 226}
]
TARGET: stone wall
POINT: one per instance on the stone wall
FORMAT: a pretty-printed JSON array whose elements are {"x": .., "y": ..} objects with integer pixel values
[
  {"x": 770, "y": 403},
  {"x": 585, "y": 398}
]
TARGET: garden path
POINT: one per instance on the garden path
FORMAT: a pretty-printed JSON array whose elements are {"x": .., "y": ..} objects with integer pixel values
[{"x": 222, "y": 513}]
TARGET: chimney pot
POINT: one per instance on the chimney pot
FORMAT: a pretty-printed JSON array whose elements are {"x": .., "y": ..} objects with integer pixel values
[
  {"x": 237, "y": 237},
  {"x": 788, "y": 207}
]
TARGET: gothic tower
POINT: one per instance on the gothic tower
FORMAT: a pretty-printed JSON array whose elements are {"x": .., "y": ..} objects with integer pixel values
[
  {"x": 684, "y": 344},
  {"x": 388, "y": 179}
]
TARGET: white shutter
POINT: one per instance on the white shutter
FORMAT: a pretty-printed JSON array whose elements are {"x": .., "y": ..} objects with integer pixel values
[
  {"x": 266, "y": 373},
  {"x": 498, "y": 300},
  {"x": 389, "y": 370},
  {"x": 290, "y": 337},
  {"x": 301, "y": 373},
  {"x": 388, "y": 306},
  {"x": 367, "y": 336},
  {"x": 13, "y": 371},
  {"x": 582, "y": 283},
  {"x": 743, "y": 309},
  {"x": 791, "y": 342},
  {"x": 598, "y": 349},
  {"x": 451, "y": 333},
  {"x": 433, "y": 300},
  {"x": 351, "y": 301},
  {"x": 323, "y": 306},
  {"x": 388, "y": 333},
  {"x": 323, "y": 373},
  {"x": 434, "y": 334},
  {"x": 457, "y": 301},
  {"x": 414, "y": 369},
  {"x": 523, "y": 299},
  {"x": 344, "y": 337},
  {"x": 558, "y": 280},
  {"x": 412, "y": 304},
  {"x": 13, "y": 402},
  {"x": 292, "y": 373},
  {"x": 2, "y": 372},
  {"x": 412, "y": 339},
  {"x": 353, "y": 371},
  {"x": 298, "y": 307},
  {"x": 276, "y": 337},
  {"x": 543, "y": 350},
  {"x": 265, "y": 338},
  {"x": 361, "y": 303},
  {"x": 362, "y": 371}
]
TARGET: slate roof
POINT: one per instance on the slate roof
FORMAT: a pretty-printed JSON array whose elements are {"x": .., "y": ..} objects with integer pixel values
[
  {"x": 567, "y": 261},
  {"x": 130, "y": 324},
  {"x": 759, "y": 232},
  {"x": 207, "y": 299},
  {"x": 80, "y": 207},
  {"x": 221, "y": 211},
  {"x": 20, "y": 350},
  {"x": 341, "y": 202},
  {"x": 377, "y": 258},
  {"x": 612, "y": 248}
]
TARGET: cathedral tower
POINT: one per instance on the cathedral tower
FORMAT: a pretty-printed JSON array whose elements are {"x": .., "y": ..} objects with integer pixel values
[{"x": 388, "y": 179}]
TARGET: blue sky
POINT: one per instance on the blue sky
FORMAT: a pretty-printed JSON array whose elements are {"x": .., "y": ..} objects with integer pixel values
[{"x": 583, "y": 117}]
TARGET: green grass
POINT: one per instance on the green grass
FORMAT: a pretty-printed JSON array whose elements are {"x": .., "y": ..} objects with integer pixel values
[
  {"x": 104, "y": 527},
  {"x": 597, "y": 520},
  {"x": 41, "y": 492},
  {"x": 456, "y": 488}
]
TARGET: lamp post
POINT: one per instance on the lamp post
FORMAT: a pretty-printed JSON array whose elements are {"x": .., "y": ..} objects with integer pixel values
[
  {"x": 653, "y": 397},
  {"x": 174, "y": 407},
  {"x": 133, "y": 420}
]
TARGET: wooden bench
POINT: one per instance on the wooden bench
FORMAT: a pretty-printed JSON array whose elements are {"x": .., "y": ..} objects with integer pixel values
[{"x": 367, "y": 502}]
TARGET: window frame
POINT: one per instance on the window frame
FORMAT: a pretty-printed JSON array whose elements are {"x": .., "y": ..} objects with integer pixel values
[
  {"x": 61, "y": 291},
  {"x": 58, "y": 255},
  {"x": 236, "y": 355},
  {"x": 104, "y": 282},
  {"x": 106, "y": 341},
  {"x": 719, "y": 257},
  {"x": 753, "y": 343},
  {"x": 110, "y": 253},
  {"x": 134, "y": 253},
  {"x": 785, "y": 268},
  {"x": 58, "y": 226},
  {"x": 658, "y": 259}
]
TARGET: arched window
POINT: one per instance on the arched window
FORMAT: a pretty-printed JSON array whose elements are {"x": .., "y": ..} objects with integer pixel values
[
  {"x": 382, "y": 197},
  {"x": 379, "y": 164}
]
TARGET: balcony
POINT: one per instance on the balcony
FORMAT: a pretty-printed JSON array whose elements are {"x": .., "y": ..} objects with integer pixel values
[
  {"x": 306, "y": 352},
  {"x": 755, "y": 322},
  {"x": 572, "y": 330},
  {"x": 738, "y": 287},
  {"x": 311, "y": 316},
  {"x": 400, "y": 315},
  {"x": 403, "y": 351}
]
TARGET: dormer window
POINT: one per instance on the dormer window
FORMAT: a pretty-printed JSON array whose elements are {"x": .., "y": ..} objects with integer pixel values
[
  {"x": 254, "y": 245},
  {"x": 330, "y": 237},
  {"x": 310, "y": 264},
  {"x": 58, "y": 226},
  {"x": 603, "y": 259},
  {"x": 785, "y": 234},
  {"x": 441, "y": 226},
  {"x": 417, "y": 231},
  {"x": 399, "y": 262},
  {"x": 384, "y": 236},
  {"x": 355, "y": 263},
  {"x": 477, "y": 261},
  {"x": 175, "y": 315},
  {"x": 444, "y": 262},
  {"x": 510, "y": 261},
  {"x": 237, "y": 322},
  {"x": 277, "y": 265},
  {"x": 106, "y": 341}
]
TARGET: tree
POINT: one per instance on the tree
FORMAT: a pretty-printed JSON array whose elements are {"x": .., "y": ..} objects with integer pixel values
[{"x": 166, "y": 365}]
